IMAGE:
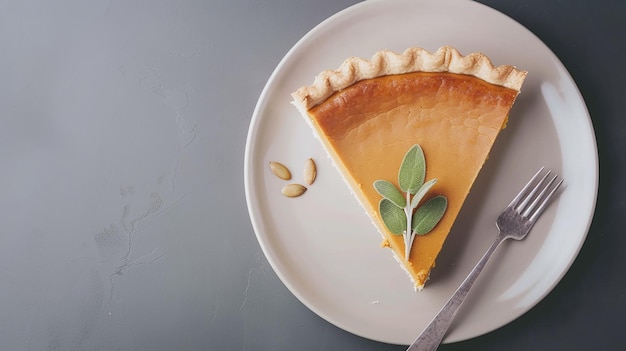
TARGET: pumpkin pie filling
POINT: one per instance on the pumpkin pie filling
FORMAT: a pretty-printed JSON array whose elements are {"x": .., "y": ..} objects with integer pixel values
[{"x": 368, "y": 125}]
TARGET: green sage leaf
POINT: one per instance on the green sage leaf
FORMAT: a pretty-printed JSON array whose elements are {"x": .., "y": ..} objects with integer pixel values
[
  {"x": 429, "y": 214},
  {"x": 393, "y": 216},
  {"x": 390, "y": 192},
  {"x": 420, "y": 193},
  {"x": 412, "y": 170}
]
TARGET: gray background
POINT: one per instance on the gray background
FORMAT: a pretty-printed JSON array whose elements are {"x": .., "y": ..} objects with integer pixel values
[{"x": 123, "y": 219}]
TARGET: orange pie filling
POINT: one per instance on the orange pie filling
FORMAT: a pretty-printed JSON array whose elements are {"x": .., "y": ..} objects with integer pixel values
[{"x": 367, "y": 127}]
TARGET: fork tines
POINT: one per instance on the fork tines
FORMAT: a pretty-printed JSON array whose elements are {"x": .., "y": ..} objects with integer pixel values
[{"x": 534, "y": 197}]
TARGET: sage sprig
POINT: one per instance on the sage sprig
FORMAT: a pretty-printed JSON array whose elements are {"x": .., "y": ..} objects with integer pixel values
[{"x": 400, "y": 212}]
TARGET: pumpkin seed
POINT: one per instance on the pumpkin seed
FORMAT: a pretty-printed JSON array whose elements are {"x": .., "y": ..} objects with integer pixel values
[
  {"x": 293, "y": 190},
  {"x": 280, "y": 170},
  {"x": 310, "y": 171}
]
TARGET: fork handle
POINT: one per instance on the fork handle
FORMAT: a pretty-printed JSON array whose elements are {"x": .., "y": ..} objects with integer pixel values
[{"x": 431, "y": 336}]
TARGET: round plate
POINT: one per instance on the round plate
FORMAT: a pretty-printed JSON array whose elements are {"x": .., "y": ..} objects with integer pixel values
[{"x": 323, "y": 246}]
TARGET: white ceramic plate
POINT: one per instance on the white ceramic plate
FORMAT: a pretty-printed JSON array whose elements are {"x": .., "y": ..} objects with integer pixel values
[{"x": 324, "y": 247}]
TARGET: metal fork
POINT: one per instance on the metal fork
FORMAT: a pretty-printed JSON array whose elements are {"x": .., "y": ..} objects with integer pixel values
[{"x": 513, "y": 223}]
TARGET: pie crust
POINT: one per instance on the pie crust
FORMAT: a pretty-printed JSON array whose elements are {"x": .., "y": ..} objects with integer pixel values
[{"x": 386, "y": 62}]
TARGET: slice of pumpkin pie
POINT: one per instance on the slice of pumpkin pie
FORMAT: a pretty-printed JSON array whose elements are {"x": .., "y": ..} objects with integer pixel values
[{"x": 434, "y": 115}]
